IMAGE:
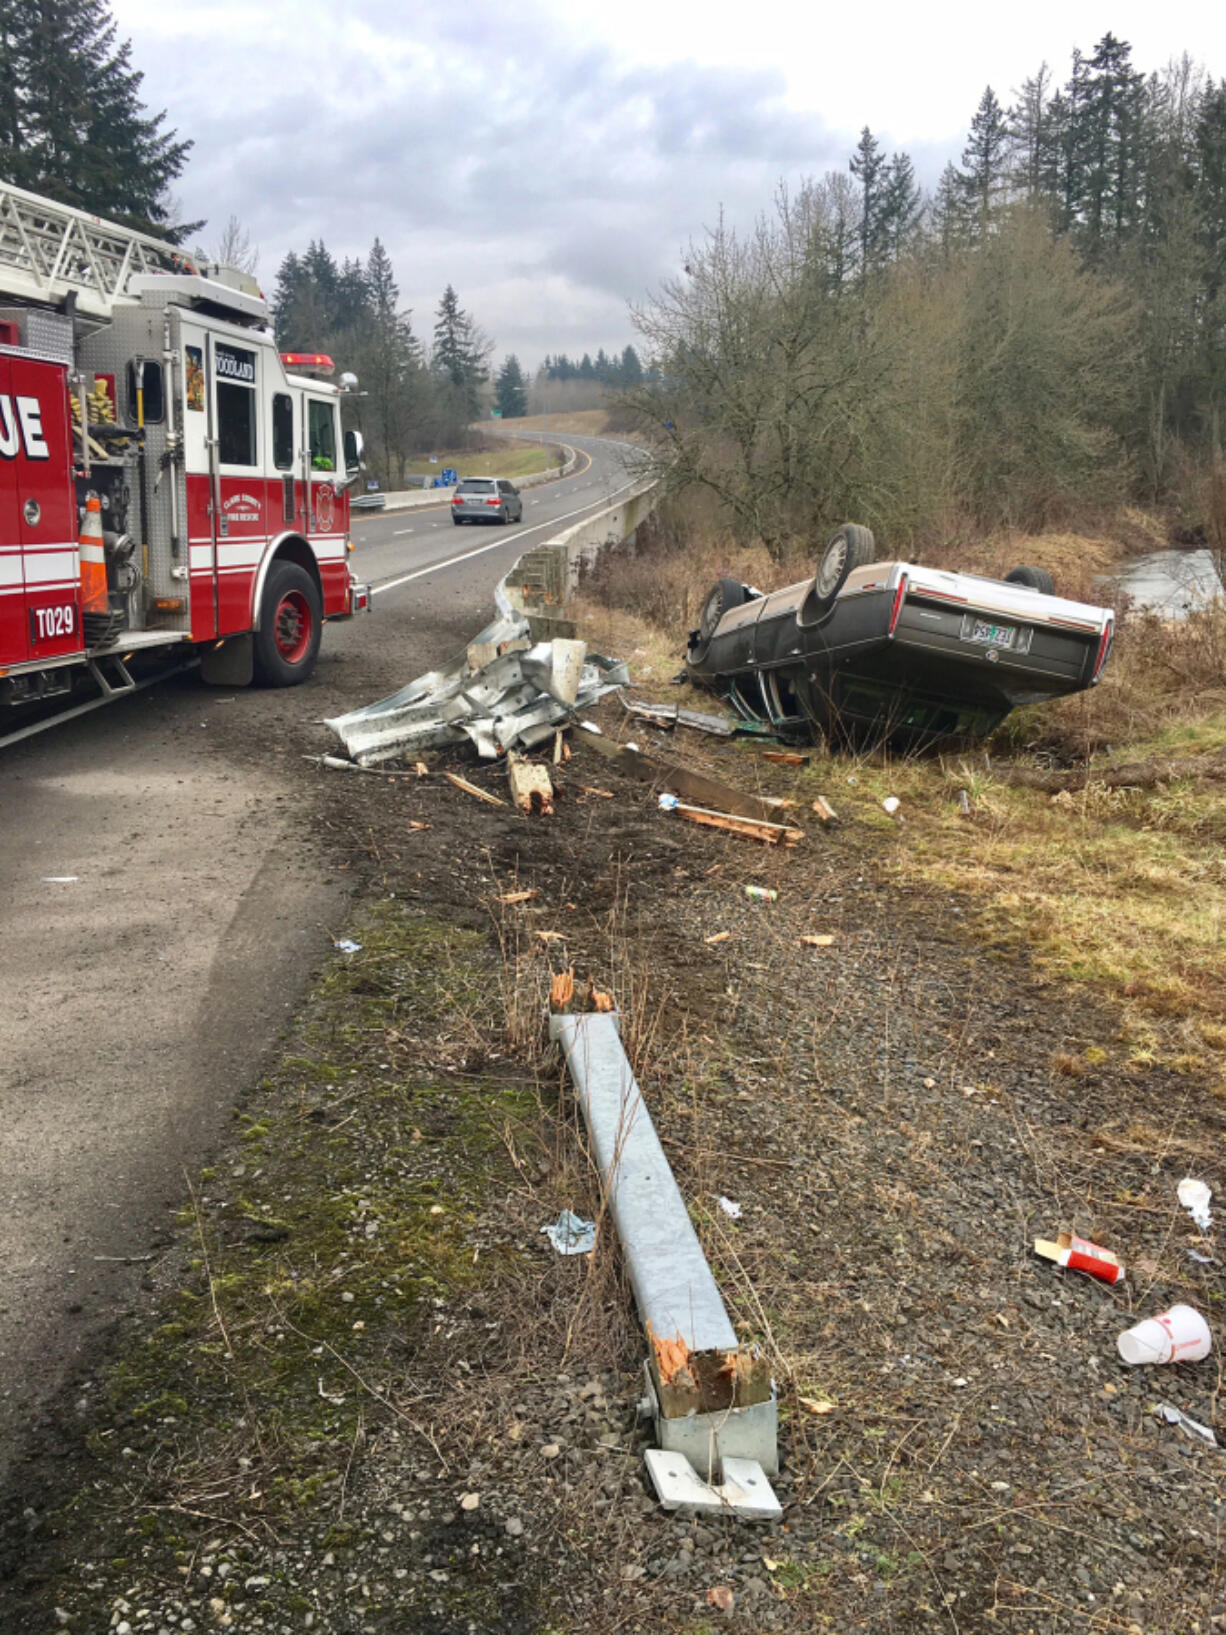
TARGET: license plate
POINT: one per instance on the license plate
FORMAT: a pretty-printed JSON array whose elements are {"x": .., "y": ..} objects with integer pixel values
[{"x": 986, "y": 633}]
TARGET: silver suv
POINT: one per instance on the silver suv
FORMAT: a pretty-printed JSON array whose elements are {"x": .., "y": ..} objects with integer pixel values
[{"x": 486, "y": 499}]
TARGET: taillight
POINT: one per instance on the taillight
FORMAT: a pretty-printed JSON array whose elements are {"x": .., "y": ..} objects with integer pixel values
[
  {"x": 458, "y": 499},
  {"x": 493, "y": 502},
  {"x": 900, "y": 596},
  {"x": 1104, "y": 648}
]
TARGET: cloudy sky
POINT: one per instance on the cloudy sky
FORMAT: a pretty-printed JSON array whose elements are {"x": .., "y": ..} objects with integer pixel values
[{"x": 552, "y": 159}]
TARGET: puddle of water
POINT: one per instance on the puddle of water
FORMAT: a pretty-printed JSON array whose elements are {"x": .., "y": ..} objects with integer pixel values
[{"x": 1173, "y": 583}]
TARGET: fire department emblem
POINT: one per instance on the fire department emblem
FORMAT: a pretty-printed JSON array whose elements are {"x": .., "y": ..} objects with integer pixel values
[{"x": 324, "y": 513}]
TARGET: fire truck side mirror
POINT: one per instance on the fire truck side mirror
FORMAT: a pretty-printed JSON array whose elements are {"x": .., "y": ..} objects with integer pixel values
[{"x": 355, "y": 450}]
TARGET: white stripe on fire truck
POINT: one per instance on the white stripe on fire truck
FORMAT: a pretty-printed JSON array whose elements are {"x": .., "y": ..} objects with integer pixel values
[{"x": 42, "y": 566}]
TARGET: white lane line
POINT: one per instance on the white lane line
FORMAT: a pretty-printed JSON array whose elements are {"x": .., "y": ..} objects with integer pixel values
[
  {"x": 398, "y": 532},
  {"x": 454, "y": 561}
]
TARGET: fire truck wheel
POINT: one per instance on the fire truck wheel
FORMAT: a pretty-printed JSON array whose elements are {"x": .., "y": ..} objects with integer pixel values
[{"x": 291, "y": 619}]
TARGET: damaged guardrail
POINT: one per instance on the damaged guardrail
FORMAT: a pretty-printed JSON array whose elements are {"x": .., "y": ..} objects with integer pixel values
[
  {"x": 522, "y": 676},
  {"x": 712, "y": 1400}
]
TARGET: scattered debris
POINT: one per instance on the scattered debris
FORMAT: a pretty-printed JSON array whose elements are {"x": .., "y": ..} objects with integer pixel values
[
  {"x": 821, "y": 940},
  {"x": 719, "y": 936},
  {"x": 816, "y": 1405},
  {"x": 824, "y": 810},
  {"x": 510, "y": 898},
  {"x": 347, "y": 945},
  {"x": 762, "y": 894},
  {"x": 570, "y": 1234},
  {"x": 668, "y": 716},
  {"x": 721, "y": 1596},
  {"x": 1178, "y": 1335},
  {"x": 1176, "y": 1416},
  {"x": 503, "y": 692},
  {"x": 1201, "y": 1260},
  {"x": 469, "y": 1501},
  {"x": 60, "y": 879},
  {"x": 890, "y": 804},
  {"x": 1080, "y": 1255},
  {"x": 964, "y": 804},
  {"x": 688, "y": 785},
  {"x": 602, "y": 1001},
  {"x": 786, "y": 757},
  {"x": 730, "y": 1208},
  {"x": 531, "y": 788},
  {"x": 771, "y": 834},
  {"x": 1196, "y": 1196},
  {"x": 421, "y": 769},
  {"x": 601, "y": 794},
  {"x": 417, "y": 826},
  {"x": 471, "y": 789},
  {"x": 551, "y": 936}
]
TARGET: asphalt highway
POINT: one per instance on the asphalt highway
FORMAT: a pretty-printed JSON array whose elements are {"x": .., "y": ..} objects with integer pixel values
[{"x": 167, "y": 887}]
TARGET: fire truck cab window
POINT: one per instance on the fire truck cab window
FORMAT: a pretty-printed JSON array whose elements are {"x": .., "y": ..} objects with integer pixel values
[
  {"x": 236, "y": 414},
  {"x": 151, "y": 385},
  {"x": 282, "y": 431},
  {"x": 323, "y": 436}
]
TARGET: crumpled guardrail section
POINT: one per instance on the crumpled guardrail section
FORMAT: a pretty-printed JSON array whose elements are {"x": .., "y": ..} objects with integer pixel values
[{"x": 522, "y": 676}]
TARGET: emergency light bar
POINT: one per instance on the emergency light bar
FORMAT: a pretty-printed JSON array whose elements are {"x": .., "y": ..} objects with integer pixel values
[{"x": 308, "y": 363}]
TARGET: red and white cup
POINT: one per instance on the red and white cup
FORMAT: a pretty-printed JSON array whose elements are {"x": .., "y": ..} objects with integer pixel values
[{"x": 1178, "y": 1335}]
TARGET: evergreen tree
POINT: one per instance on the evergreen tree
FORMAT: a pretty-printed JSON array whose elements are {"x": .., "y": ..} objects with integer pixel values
[
  {"x": 586, "y": 370},
  {"x": 868, "y": 165},
  {"x": 459, "y": 353},
  {"x": 72, "y": 124},
  {"x": 511, "y": 389},
  {"x": 901, "y": 204},
  {"x": 983, "y": 179},
  {"x": 631, "y": 368},
  {"x": 948, "y": 214},
  {"x": 1030, "y": 137},
  {"x": 1110, "y": 143}
]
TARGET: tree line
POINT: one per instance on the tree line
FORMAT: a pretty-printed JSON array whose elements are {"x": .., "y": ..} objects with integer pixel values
[
  {"x": 621, "y": 369},
  {"x": 1046, "y": 331},
  {"x": 413, "y": 396}
]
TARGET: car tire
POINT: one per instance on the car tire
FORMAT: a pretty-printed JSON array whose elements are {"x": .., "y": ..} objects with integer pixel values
[
  {"x": 1033, "y": 578},
  {"x": 286, "y": 645},
  {"x": 457, "y": 520},
  {"x": 724, "y": 594},
  {"x": 849, "y": 548}
]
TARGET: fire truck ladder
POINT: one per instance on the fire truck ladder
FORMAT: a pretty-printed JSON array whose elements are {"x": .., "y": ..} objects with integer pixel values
[{"x": 49, "y": 251}]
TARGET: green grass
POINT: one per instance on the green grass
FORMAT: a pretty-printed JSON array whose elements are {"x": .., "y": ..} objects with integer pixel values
[{"x": 511, "y": 462}]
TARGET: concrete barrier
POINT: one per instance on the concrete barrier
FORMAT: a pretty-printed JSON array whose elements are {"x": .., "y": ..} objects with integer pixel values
[{"x": 541, "y": 582}]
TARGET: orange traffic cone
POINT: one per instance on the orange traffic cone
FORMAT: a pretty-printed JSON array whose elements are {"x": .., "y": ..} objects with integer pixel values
[{"x": 93, "y": 560}]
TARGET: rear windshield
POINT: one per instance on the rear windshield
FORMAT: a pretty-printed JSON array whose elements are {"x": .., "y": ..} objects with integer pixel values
[{"x": 478, "y": 485}]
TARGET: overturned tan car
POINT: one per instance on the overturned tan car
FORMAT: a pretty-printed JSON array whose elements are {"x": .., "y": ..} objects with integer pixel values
[{"x": 892, "y": 650}]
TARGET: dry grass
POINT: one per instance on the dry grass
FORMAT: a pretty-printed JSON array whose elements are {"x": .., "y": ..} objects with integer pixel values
[
  {"x": 1121, "y": 890},
  {"x": 593, "y": 422}
]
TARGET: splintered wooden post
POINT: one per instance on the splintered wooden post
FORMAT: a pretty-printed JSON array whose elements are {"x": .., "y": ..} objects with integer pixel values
[{"x": 531, "y": 788}]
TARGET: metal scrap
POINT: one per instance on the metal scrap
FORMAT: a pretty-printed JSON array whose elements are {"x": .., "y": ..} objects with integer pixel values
[{"x": 503, "y": 692}]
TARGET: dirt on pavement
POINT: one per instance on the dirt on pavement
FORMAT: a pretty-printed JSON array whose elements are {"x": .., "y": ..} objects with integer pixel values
[{"x": 366, "y": 1395}]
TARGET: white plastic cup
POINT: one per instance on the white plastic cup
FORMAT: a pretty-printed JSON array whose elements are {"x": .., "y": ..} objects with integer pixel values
[{"x": 1178, "y": 1335}]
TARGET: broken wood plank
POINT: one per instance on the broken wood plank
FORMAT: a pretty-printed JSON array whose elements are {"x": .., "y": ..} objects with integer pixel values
[
  {"x": 510, "y": 898},
  {"x": 771, "y": 834},
  {"x": 693, "y": 786},
  {"x": 824, "y": 810},
  {"x": 471, "y": 789},
  {"x": 786, "y": 757}
]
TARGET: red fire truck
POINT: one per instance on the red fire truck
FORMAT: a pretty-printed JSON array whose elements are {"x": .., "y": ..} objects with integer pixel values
[{"x": 150, "y": 429}]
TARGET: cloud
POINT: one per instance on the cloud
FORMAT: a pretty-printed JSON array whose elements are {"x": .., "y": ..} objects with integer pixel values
[{"x": 548, "y": 178}]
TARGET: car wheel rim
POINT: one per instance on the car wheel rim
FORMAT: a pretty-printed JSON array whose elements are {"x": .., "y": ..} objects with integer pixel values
[
  {"x": 292, "y": 627},
  {"x": 831, "y": 567}
]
